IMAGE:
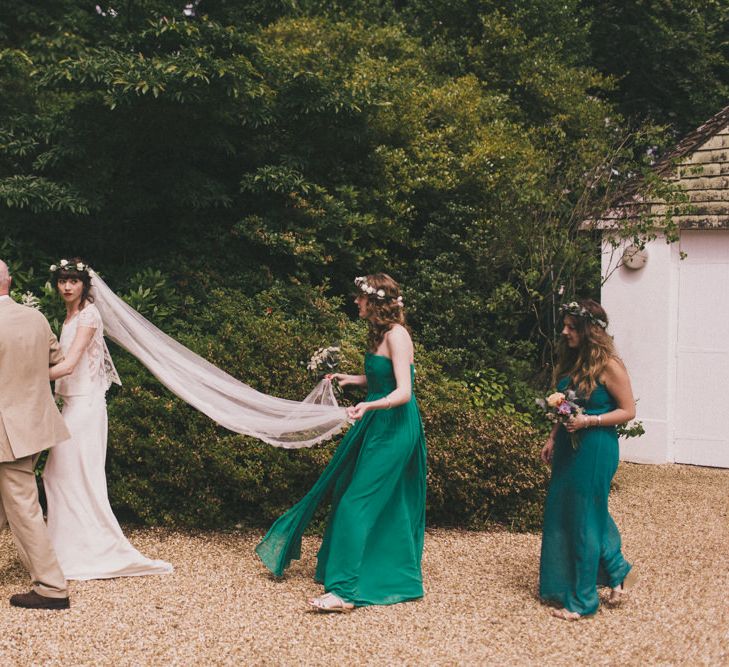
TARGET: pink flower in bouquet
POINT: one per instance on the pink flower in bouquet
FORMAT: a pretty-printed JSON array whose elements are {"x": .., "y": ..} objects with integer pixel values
[{"x": 564, "y": 408}]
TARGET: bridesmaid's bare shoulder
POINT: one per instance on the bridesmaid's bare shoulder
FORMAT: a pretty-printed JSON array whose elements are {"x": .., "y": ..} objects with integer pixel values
[{"x": 614, "y": 372}]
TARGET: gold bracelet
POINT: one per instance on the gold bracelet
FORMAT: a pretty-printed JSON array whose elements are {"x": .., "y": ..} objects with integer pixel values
[{"x": 389, "y": 402}]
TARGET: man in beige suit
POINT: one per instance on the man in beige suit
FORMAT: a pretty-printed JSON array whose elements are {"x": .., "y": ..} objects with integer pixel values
[{"x": 29, "y": 423}]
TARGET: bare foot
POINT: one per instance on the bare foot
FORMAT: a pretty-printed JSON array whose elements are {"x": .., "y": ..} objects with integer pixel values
[{"x": 620, "y": 593}]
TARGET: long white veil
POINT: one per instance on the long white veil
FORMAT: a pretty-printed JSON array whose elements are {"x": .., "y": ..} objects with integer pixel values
[{"x": 229, "y": 402}]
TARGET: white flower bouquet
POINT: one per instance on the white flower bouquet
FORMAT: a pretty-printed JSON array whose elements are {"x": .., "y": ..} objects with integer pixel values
[{"x": 325, "y": 360}]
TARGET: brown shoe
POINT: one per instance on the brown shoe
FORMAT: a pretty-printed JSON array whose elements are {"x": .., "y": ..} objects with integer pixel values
[{"x": 33, "y": 600}]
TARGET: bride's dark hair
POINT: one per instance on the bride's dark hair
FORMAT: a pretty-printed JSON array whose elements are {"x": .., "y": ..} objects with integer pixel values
[
  {"x": 383, "y": 312},
  {"x": 70, "y": 270}
]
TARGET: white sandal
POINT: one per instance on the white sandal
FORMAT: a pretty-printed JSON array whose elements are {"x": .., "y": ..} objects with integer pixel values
[
  {"x": 566, "y": 614},
  {"x": 331, "y": 603}
]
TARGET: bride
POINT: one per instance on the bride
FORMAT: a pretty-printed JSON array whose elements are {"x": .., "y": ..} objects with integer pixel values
[{"x": 83, "y": 529}]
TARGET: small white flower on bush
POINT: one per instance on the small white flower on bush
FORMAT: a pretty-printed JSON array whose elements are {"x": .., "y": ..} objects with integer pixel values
[{"x": 31, "y": 300}]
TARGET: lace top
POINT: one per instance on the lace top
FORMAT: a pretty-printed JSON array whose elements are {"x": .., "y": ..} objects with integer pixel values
[{"x": 95, "y": 370}]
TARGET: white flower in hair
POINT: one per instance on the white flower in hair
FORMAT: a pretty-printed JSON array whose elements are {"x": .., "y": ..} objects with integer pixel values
[
  {"x": 64, "y": 262},
  {"x": 576, "y": 310},
  {"x": 80, "y": 266},
  {"x": 53, "y": 267},
  {"x": 379, "y": 293}
]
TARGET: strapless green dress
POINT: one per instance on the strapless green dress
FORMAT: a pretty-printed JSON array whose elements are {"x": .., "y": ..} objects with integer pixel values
[
  {"x": 581, "y": 546},
  {"x": 373, "y": 543}
]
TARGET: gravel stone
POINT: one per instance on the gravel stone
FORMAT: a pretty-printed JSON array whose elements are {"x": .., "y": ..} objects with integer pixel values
[{"x": 221, "y": 607}]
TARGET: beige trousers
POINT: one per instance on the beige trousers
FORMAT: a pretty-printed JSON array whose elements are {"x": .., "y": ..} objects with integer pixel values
[{"x": 20, "y": 508}]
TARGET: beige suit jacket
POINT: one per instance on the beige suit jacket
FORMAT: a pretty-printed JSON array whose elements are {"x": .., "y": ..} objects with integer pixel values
[{"x": 29, "y": 419}]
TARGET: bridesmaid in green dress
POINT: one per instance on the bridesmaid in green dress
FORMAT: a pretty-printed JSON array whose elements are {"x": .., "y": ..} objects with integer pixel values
[
  {"x": 581, "y": 547},
  {"x": 373, "y": 542}
]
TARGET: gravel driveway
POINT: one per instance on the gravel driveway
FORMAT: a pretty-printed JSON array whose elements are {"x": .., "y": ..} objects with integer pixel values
[{"x": 221, "y": 608}]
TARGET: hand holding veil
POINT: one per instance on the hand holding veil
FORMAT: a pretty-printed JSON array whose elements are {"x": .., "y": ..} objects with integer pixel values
[{"x": 229, "y": 402}]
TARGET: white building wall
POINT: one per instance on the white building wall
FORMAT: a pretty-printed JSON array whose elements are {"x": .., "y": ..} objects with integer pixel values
[
  {"x": 642, "y": 306},
  {"x": 701, "y": 433}
]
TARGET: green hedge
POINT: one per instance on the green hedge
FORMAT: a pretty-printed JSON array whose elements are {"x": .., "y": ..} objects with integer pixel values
[
  {"x": 170, "y": 465},
  {"x": 483, "y": 471}
]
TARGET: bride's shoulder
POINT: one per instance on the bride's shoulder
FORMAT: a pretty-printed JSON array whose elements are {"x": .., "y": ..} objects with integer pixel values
[{"x": 89, "y": 315}]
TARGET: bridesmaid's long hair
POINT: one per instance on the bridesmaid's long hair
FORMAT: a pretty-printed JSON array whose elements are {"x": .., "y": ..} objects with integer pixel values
[
  {"x": 585, "y": 364},
  {"x": 70, "y": 271},
  {"x": 385, "y": 312}
]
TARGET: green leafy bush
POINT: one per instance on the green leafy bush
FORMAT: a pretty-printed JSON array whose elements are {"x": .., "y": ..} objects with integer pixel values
[
  {"x": 491, "y": 390},
  {"x": 483, "y": 471},
  {"x": 153, "y": 295}
]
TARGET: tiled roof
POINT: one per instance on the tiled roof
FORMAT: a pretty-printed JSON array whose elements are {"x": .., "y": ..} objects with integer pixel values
[{"x": 699, "y": 164}]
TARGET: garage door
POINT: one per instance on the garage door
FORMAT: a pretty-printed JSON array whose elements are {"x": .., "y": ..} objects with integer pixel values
[{"x": 701, "y": 434}]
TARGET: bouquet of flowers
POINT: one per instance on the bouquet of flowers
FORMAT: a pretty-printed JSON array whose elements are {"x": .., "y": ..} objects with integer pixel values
[
  {"x": 560, "y": 407},
  {"x": 325, "y": 360}
]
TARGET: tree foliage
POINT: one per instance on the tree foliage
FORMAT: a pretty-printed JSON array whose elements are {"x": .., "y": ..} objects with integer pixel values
[
  {"x": 670, "y": 59},
  {"x": 444, "y": 142}
]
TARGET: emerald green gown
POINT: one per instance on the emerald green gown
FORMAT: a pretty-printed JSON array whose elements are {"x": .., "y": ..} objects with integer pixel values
[
  {"x": 373, "y": 542},
  {"x": 581, "y": 547}
]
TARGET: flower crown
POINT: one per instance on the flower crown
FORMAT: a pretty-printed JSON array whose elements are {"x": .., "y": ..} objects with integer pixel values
[
  {"x": 576, "y": 310},
  {"x": 379, "y": 294},
  {"x": 65, "y": 265}
]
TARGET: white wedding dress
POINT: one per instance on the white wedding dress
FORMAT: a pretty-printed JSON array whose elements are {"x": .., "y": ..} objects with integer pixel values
[{"x": 83, "y": 529}]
